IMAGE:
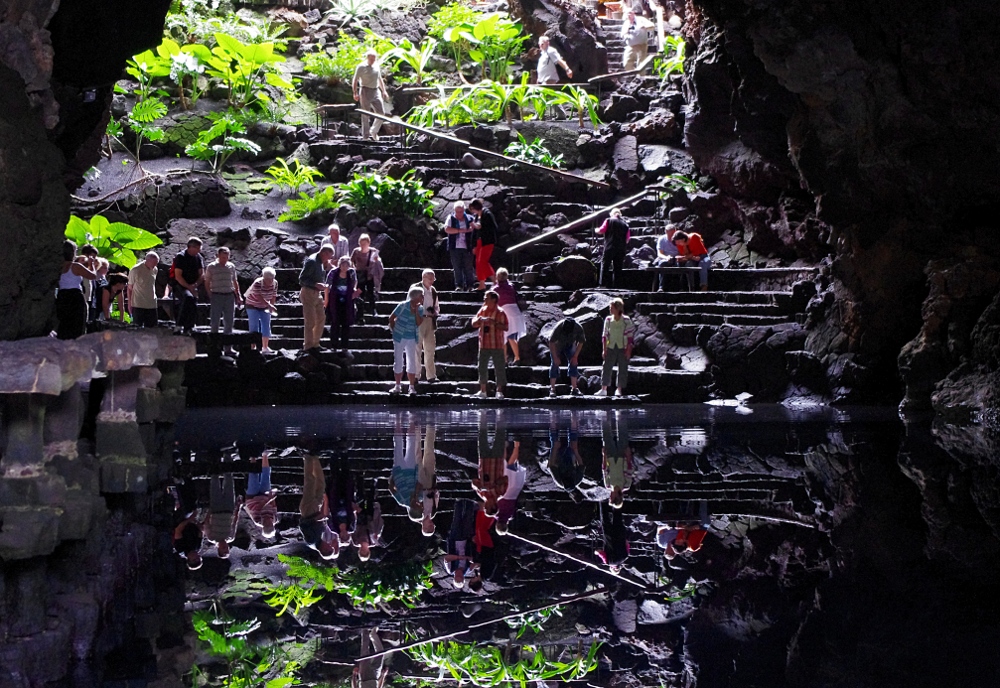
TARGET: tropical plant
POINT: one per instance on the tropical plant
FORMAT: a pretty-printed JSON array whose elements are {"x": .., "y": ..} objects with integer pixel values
[
  {"x": 581, "y": 101},
  {"x": 292, "y": 176},
  {"x": 680, "y": 182},
  {"x": 495, "y": 40},
  {"x": 378, "y": 195},
  {"x": 447, "y": 25},
  {"x": 145, "y": 67},
  {"x": 366, "y": 586},
  {"x": 118, "y": 242},
  {"x": 308, "y": 206},
  {"x": 413, "y": 57},
  {"x": 220, "y": 141},
  {"x": 245, "y": 69},
  {"x": 339, "y": 62},
  {"x": 197, "y": 21},
  {"x": 487, "y": 665},
  {"x": 534, "y": 152},
  {"x": 140, "y": 123},
  {"x": 533, "y": 621},
  {"x": 185, "y": 66},
  {"x": 671, "y": 60}
]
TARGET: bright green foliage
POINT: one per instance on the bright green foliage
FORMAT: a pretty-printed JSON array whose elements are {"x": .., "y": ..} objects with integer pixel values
[
  {"x": 248, "y": 665},
  {"x": 535, "y": 152},
  {"x": 581, "y": 101},
  {"x": 292, "y": 176},
  {"x": 139, "y": 121},
  {"x": 220, "y": 141},
  {"x": 678, "y": 182},
  {"x": 415, "y": 58},
  {"x": 347, "y": 12},
  {"x": 197, "y": 21},
  {"x": 145, "y": 67},
  {"x": 339, "y": 62},
  {"x": 308, "y": 205},
  {"x": 486, "y": 665},
  {"x": 671, "y": 60},
  {"x": 366, "y": 586},
  {"x": 245, "y": 69},
  {"x": 377, "y": 195},
  {"x": 534, "y": 621},
  {"x": 186, "y": 64},
  {"x": 293, "y": 596},
  {"x": 447, "y": 25},
  {"x": 120, "y": 243},
  {"x": 495, "y": 40}
]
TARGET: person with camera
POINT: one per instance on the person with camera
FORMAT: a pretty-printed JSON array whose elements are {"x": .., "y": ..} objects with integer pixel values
[
  {"x": 426, "y": 340},
  {"x": 491, "y": 322}
]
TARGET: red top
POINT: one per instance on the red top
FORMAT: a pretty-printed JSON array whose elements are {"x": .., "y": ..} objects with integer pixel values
[{"x": 695, "y": 246}]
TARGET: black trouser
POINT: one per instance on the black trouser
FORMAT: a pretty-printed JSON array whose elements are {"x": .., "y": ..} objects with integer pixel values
[
  {"x": 367, "y": 288},
  {"x": 340, "y": 328},
  {"x": 611, "y": 267},
  {"x": 187, "y": 308},
  {"x": 144, "y": 317},
  {"x": 71, "y": 310}
]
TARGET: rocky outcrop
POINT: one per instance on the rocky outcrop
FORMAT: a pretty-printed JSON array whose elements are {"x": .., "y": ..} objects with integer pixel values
[{"x": 573, "y": 30}]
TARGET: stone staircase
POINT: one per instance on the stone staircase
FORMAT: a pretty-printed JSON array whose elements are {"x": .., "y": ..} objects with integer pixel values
[{"x": 616, "y": 45}]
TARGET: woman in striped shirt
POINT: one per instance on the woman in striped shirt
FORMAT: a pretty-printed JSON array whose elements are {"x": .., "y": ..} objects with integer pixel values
[{"x": 261, "y": 302}]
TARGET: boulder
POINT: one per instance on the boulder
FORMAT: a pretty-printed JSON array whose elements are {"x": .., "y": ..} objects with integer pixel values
[
  {"x": 659, "y": 160},
  {"x": 575, "y": 272},
  {"x": 618, "y": 107},
  {"x": 659, "y": 126}
]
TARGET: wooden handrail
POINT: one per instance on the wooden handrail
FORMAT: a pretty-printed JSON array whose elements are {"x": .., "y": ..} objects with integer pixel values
[
  {"x": 483, "y": 151},
  {"x": 615, "y": 75},
  {"x": 585, "y": 220}
]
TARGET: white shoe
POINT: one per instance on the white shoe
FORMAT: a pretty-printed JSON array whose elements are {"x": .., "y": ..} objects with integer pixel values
[
  {"x": 602, "y": 393},
  {"x": 413, "y": 390},
  {"x": 500, "y": 395},
  {"x": 479, "y": 395},
  {"x": 618, "y": 393},
  {"x": 395, "y": 389}
]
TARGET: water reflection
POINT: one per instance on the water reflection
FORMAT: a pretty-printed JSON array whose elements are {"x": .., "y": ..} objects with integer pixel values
[{"x": 513, "y": 544}]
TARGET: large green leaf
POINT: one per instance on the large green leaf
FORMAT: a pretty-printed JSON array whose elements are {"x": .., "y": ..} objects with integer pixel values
[{"x": 78, "y": 230}]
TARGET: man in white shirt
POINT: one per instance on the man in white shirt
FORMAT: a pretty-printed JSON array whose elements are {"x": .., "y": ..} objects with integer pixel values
[
  {"x": 369, "y": 88},
  {"x": 635, "y": 33},
  {"x": 341, "y": 247},
  {"x": 142, "y": 291},
  {"x": 547, "y": 61}
]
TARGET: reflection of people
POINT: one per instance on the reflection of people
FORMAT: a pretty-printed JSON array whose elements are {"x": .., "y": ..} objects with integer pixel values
[
  {"x": 223, "y": 513},
  {"x": 260, "y": 503},
  {"x": 565, "y": 461},
  {"x": 314, "y": 508},
  {"x": 366, "y": 674},
  {"x": 459, "y": 545},
  {"x": 686, "y": 534},
  {"x": 426, "y": 490},
  {"x": 368, "y": 532},
  {"x": 341, "y": 493},
  {"x": 617, "y": 459},
  {"x": 485, "y": 557},
  {"x": 516, "y": 476},
  {"x": 614, "y": 538},
  {"x": 369, "y": 89},
  {"x": 492, "y": 481},
  {"x": 403, "y": 479},
  {"x": 187, "y": 533},
  {"x": 547, "y": 60}
]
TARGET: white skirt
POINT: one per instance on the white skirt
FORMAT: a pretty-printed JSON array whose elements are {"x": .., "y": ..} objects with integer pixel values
[{"x": 515, "y": 321}]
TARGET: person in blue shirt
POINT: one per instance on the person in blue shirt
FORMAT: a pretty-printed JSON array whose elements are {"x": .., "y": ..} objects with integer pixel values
[{"x": 404, "y": 321}]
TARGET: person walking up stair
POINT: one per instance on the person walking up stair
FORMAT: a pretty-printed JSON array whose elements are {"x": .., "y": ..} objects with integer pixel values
[{"x": 369, "y": 88}]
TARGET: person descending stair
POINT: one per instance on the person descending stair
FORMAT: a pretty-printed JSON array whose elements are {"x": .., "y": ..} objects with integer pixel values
[
  {"x": 485, "y": 240},
  {"x": 459, "y": 228},
  {"x": 635, "y": 33},
  {"x": 369, "y": 88},
  {"x": 340, "y": 296},
  {"x": 403, "y": 323}
]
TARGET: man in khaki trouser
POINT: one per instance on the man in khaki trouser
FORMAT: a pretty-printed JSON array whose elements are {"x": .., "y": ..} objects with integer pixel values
[
  {"x": 369, "y": 89},
  {"x": 312, "y": 281}
]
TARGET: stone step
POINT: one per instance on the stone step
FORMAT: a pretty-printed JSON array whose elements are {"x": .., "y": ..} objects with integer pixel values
[
  {"x": 711, "y": 309},
  {"x": 666, "y": 321}
]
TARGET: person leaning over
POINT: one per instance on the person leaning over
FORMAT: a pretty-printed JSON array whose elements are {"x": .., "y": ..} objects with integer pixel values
[
  {"x": 369, "y": 88},
  {"x": 426, "y": 339},
  {"x": 71, "y": 306},
  {"x": 566, "y": 342},
  {"x": 142, "y": 291},
  {"x": 618, "y": 338},
  {"x": 547, "y": 61},
  {"x": 403, "y": 324},
  {"x": 492, "y": 325},
  {"x": 691, "y": 249},
  {"x": 188, "y": 271},
  {"x": 112, "y": 294},
  {"x": 312, "y": 283},
  {"x": 223, "y": 290},
  {"x": 261, "y": 300}
]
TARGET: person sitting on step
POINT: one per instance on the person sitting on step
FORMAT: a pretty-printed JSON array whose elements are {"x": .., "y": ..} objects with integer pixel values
[
  {"x": 565, "y": 343},
  {"x": 618, "y": 338},
  {"x": 691, "y": 251},
  {"x": 403, "y": 323},
  {"x": 666, "y": 253},
  {"x": 368, "y": 266},
  {"x": 492, "y": 325}
]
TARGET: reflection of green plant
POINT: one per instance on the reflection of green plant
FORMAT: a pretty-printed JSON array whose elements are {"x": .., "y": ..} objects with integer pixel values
[
  {"x": 535, "y": 152},
  {"x": 377, "y": 195},
  {"x": 486, "y": 665},
  {"x": 292, "y": 176},
  {"x": 220, "y": 141},
  {"x": 118, "y": 242},
  {"x": 671, "y": 60},
  {"x": 366, "y": 586},
  {"x": 533, "y": 621}
]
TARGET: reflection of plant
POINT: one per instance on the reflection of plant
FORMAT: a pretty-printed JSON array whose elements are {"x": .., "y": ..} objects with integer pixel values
[
  {"x": 377, "y": 195},
  {"x": 671, "y": 60},
  {"x": 118, "y": 242},
  {"x": 486, "y": 665},
  {"x": 220, "y": 141},
  {"x": 533, "y": 621},
  {"x": 535, "y": 152},
  {"x": 248, "y": 665},
  {"x": 366, "y": 586},
  {"x": 292, "y": 176}
]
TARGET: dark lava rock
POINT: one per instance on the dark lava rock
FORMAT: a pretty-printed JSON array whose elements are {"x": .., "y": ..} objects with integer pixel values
[
  {"x": 659, "y": 126},
  {"x": 573, "y": 30},
  {"x": 575, "y": 272},
  {"x": 617, "y": 107}
]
